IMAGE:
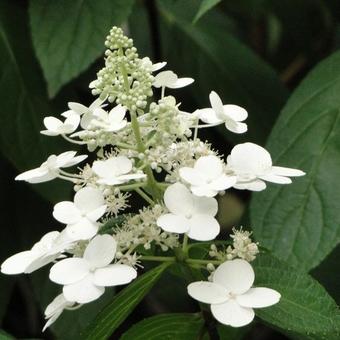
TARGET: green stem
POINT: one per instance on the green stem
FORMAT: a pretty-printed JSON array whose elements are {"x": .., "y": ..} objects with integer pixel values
[
  {"x": 185, "y": 244},
  {"x": 158, "y": 258},
  {"x": 145, "y": 196},
  {"x": 196, "y": 261},
  {"x": 131, "y": 186}
]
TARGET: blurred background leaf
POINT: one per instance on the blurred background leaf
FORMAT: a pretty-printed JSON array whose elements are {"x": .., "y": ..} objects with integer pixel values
[
  {"x": 301, "y": 223},
  {"x": 68, "y": 36}
]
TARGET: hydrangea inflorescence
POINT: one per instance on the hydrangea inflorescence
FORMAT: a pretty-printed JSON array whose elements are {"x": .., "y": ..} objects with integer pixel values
[{"x": 135, "y": 137}]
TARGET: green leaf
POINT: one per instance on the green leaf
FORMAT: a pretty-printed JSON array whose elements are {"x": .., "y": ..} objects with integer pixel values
[
  {"x": 116, "y": 312},
  {"x": 25, "y": 102},
  {"x": 305, "y": 306},
  {"x": 166, "y": 326},
  {"x": 69, "y": 35},
  {"x": 205, "y": 6},
  {"x": 209, "y": 52},
  {"x": 5, "y": 336},
  {"x": 300, "y": 222}
]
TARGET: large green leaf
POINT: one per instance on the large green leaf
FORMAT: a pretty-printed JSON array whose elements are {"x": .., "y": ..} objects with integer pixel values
[
  {"x": 300, "y": 223},
  {"x": 115, "y": 313},
  {"x": 205, "y": 6},
  {"x": 305, "y": 306},
  {"x": 69, "y": 35},
  {"x": 24, "y": 99},
  {"x": 210, "y": 53},
  {"x": 166, "y": 326}
]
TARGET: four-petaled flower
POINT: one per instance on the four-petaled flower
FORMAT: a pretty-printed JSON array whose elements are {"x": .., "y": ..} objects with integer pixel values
[
  {"x": 148, "y": 65},
  {"x": 189, "y": 214},
  {"x": 81, "y": 215},
  {"x": 252, "y": 165},
  {"x": 85, "y": 278},
  {"x": 56, "y": 127},
  {"x": 49, "y": 248},
  {"x": 50, "y": 169},
  {"x": 230, "y": 294},
  {"x": 107, "y": 121},
  {"x": 55, "y": 308},
  {"x": 170, "y": 79},
  {"x": 231, "y": 115},
  {"x": 207, "y": 177},
  {"x": 115, "y": 171}
]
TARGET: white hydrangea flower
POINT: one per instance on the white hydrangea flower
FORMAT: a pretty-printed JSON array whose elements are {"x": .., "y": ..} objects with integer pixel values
[
  {"x": 81, "y": 215},
  {"x": 55, "y": 308},
  {"x": 170, "y": 79},
  {"x": 207, "y": 177},
  {"x": 49, "y": 248},
  {"x": 81, "y": 109},
  {"x": 108, "y": 121},
  {"x": 231, "y": 115},
  {"x": 189, "y": 214},
  {"x": 252, "y": 165},
  {"x": 148, "y": 65},
  {"x": 56, "y": 127},
  {"x": 230, "y": 294},
  {"x": 85, "y": 279},
  {"x": 115, "y": 171},
  {"x": 50, "y": 168}
]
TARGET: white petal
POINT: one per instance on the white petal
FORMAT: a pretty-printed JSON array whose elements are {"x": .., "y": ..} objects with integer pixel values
[
  {"x": 52, "y": 123},
  {"x": 58, "y": 303},
  {"x": 74, "y": 161},
  {"x": 259, "y": 297},
  {"x": 276, "y": 179},
  {"x": 117, "y": 114},
  {"x": 256, "y": 185},
  {"x": 223, "y": 182},
  {"x": 205, "y": 205},
  {"x": 178, "y": 199},
  {"x": 49, "y": 133},
  {"x": 114, "y": 275},
  {"x": 48, "y": 177},
  {"x": 86, "y": 119},
  {"x": 126, "y": 178},
  {"x": 209, "y": 166},
  {"x": 232, "y": 314},
  {"x": 249, "y": 158},
  {"x": 100, "y": 251},
  {"x": 32, "y": 174},
  {"x": 84, "y": 229},
  {"x": 158, "y": 66},
  {"x": 69, "y": 271},
  {"x": 88, "y": 199},
  {"x": 83, "y": 291},
  {"x": 72, "y": 121},
  {"x": 216, "y": 104},
  {"x": 18, "y": 263},
  {"x": 207, "y": 292},
  {"x": 235, "y": 112},
  {"x": 203, "y": 228},
  {"x": 40, "y": 262},
  {"x": 77, "y": 107},
  {"x": 204, "y": 190},
  {"x": 236, "y": 127},
  {"x": 181, "y": 82},
  {"x": 191, "y": 176},
  {"x": 94, "y": 215},
  {"x": 52, "y": 319},
  {"x": 66, "y": 212},
  {"x": 164, "y": 79},
  {"x": 97, "y": 103},
  {"x": 173, "y": 223},
  {"x": 65, "y": 158},
  {"x": 235, "y": 275},
  {"x": 209, "y": 116},
  {"x": 289, "y": 172}
]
